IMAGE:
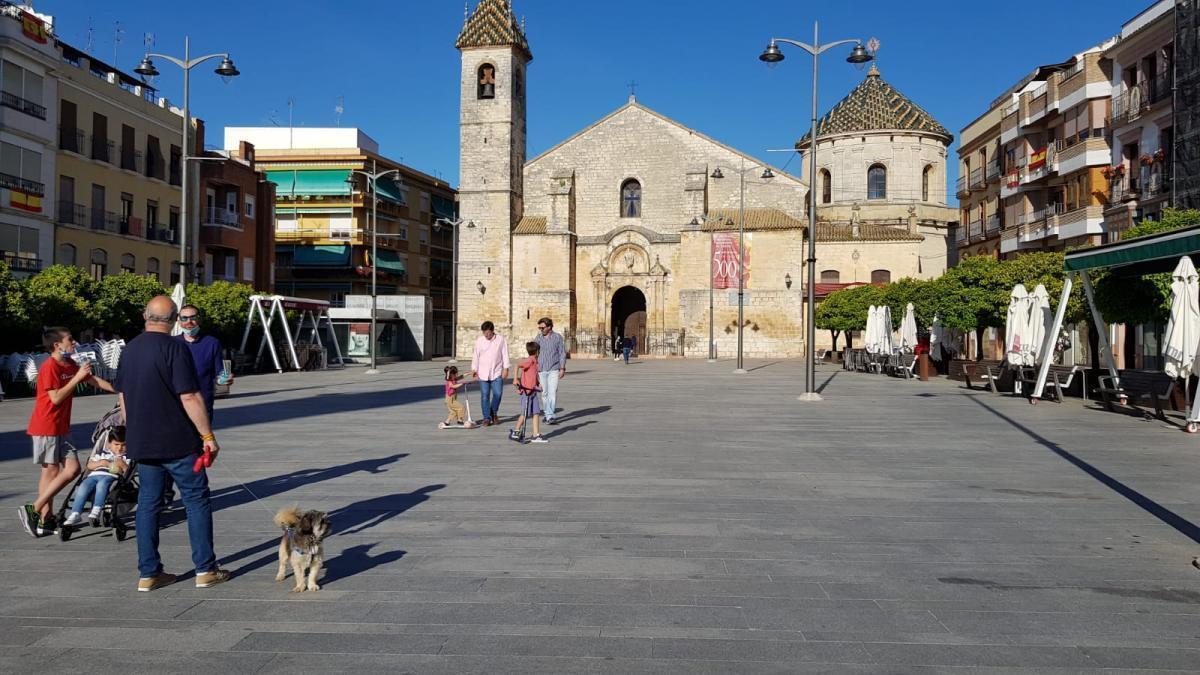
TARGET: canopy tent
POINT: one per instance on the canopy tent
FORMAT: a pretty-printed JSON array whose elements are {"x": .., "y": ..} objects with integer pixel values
[
  {"x": 311, "y": 315},
  {"x": 1150, "y": 254}
]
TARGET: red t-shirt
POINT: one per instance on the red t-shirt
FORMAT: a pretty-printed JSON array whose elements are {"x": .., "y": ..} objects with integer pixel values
[
  {"x": 529, "y": 373},
  {"x": 49, "y": 419}
]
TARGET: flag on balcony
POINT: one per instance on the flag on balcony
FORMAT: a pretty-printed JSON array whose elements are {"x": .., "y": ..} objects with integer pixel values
[
  {"x": 33, "y": 28},
  {"x": 1037, "y": 159},
  {"x": 24, "y": 201}
]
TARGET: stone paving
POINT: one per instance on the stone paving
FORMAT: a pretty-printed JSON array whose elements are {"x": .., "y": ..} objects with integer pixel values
[{"x": 681, "y": 519}]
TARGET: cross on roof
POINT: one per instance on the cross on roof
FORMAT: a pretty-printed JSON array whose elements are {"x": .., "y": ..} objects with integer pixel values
[{"x": 633, "y": 85}]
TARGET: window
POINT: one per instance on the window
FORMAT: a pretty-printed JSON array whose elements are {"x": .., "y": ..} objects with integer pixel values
[
  {"x": 22, "y": 169},
  {"x": 127, "y": 263},
  {"x": 631, "y": 199},
  {"x": 99, "y": 263},
  {"x": 151, "y": 214},
  {"x": 830, "y": 277},
  {"x": 486, "y": 87},
  {"x": 66, "y": 255},
  {"x": 877, "y": 182},
  {"x": 518, "y": 83},
  {"x": 926, "y": 177},
  {"x": 152, "y": 268},
  {"x": 826, "y": 187},
  {"x": 249, "y": 206},
  {"x": 403, "y": 233},
  {"x": 22, "y": 90},
  {"x": 174, "y": 272},
  {"x": 881, "y": 277}
]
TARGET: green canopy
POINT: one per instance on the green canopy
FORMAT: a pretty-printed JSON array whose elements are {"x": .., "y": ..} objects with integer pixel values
[
  {"x": 1141, "y": 255},
  {"x": 329, "y": 255},
  {"x": 389, "y": 190},
  {"x": 322, "y": 182},
  {"x": 389, "y": 261}
]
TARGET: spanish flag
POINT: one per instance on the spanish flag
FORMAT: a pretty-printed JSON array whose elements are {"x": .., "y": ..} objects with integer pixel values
[
  {"x": 25, "y": 201},
  {"x": 34, "y": 28}
]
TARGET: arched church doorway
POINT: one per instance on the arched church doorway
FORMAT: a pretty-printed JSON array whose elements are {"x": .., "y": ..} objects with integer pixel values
[{"x": 629, "y": 316}]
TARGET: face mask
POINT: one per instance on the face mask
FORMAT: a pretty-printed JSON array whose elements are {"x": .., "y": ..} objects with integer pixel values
[{"x": 193, "y": 331}]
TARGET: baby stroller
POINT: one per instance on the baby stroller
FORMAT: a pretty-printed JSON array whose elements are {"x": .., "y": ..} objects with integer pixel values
[{"x": 117, "y": 510}]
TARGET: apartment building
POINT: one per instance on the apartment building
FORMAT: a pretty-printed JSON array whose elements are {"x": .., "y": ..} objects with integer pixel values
[
  {"x": 28, "y": 92},
  {"x": 981, "y": 213},
  {"x": 1143, "y": 126},
  {"x": 118, "y": 172},
  {"x": 323, "y": 220}
]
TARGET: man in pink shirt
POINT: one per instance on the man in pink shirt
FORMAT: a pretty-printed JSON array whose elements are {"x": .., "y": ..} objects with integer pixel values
[{"x": 490, "y": 364}]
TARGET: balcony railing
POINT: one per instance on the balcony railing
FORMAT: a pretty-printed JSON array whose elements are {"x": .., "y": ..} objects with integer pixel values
[
  {"x": 21, "y": 263},
  {"x": 1162, "y": 86},
  {"x": 102, "y": 149},
  {"x": 70, "y": 213},
  {"x": 962, "y": 188},
  {"x": 1012, "y": 108},
  {"x": 23, "y": 184},
  {"x": 992, "y": 224},
  {"x": 131, "y": 159},
  {"x": 17, "y": 103},
  {"x": 160, "y": 232},
  {"x": 977, "y": 178},
  {"x": 131, "y": 225},
  {"x": 155, "y": 167},
  {"x": 105, "y": 220},
  {"x": 1124, "y": 189},
  {"x": 976, "y": 229},
  {"x": 1157, "y": 185},
  {"x": 993, "y": 169},
  {"x": 215, "y": 215},
  {"x": 71, "y": 139}
]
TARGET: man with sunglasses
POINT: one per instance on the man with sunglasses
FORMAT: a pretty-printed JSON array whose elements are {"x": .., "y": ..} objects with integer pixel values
[
  {"x": 207, "y": 354},
  {"x": 552, "y": 364}
]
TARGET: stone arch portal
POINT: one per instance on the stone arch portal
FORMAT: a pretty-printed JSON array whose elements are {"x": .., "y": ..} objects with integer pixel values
[{"x": 628, "y": 316}]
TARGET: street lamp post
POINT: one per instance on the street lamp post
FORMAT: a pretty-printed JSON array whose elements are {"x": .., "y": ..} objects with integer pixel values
[
  {"x": 707, "y": 220},
  {"x": 767, "y": 174},
  {"x": 372, "y": 182},
  {"x": 225, "y": 69},
  {"x": 455, "y": 223},
  {"x": 772, "y": 54}
]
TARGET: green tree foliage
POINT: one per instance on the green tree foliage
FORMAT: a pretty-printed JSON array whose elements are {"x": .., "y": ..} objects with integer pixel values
[
  {"x": 846, "y": 310},
  {"x": 1147, "y": 299},
  {"x": 982, "y": 277},
  {"x": 16, "y": 331},
  {"x": 223, "y": 305},
  {"x": 121, "y": 299},
  {"x": 61, "y": 295}
]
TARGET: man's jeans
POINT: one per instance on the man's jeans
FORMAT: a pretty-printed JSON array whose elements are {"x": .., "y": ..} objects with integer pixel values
[
  {"x": 625, "y": 351},
  {"x": 490, "y": 393},
  {"x": 194, "y": 489},
  {"x": 548, "y": 381},
  {"x": 98, "y": 482}
]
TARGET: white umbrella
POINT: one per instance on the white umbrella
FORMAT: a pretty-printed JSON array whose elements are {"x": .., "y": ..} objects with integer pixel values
[
  {"x": 1182, "y": 347},
  {"x": 1016, "y": 325},
  {"x": 1038, "y": 327},
  {"x": 870, "y": 342},
  {"x": 908, "y": 331},
  {"x": 178, "y": 297},
  {"x": 936, "y": 335},
  {"x": 887, "y": 342}
]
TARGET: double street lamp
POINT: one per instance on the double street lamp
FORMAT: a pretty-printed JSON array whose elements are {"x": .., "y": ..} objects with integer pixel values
[
  {"x": 454, "y": 225},
  {"x": 372, "y": 183},
  {"x": 226, "y": 69},
  {"x": 859, "y": 55}
]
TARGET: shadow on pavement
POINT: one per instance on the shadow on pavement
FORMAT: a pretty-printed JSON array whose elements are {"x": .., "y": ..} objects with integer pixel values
[
  {"x": 821, "y": 389},
  {"x": 1181, "y": 524},
  {"x": 583, "y": 412},
  {"x": 244, "y": 493},
  {"x": 368, "y": 513},
  {"x": 357, "y": 559},
  {"x": 559, "y": 431}
]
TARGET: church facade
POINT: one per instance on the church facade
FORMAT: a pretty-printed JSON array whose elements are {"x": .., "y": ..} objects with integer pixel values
[{"x": 631, "y": 226}]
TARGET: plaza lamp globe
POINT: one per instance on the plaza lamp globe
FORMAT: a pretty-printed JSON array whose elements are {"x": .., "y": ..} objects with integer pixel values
[
  {"x": 768, "y": 174},
  {"x": 771, "y": 54},
  {"x": 146, "y": 68},
  {"x": 227, "y": 69},
  {"x": 859, "y": 56}
]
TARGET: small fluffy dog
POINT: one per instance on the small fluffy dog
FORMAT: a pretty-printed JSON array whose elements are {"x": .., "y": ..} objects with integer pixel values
[{"x": 303, "y": 534}]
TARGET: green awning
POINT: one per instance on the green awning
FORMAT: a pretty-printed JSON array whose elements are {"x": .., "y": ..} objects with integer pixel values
[
  {"x": 389, "y": 190},
  {"x": 1141, "y": 255},
  {"x": 330, "y": 255},
  {"x": 322, "y": 182},
  {"x": 389, "y": 261},
  {"x": 444, "y": 208}
]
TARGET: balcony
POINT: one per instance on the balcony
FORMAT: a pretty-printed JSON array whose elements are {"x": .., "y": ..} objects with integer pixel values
[
  {"x": 976, "y": 229},
  {"x": 17, "y": 103},
  {"x": 155, "y": 166},
  {"x": 992, "y": 225},
  {"x": 1158, "y": 185},
  {"x": 160, "y": 232},
  {"x": 176, "y": 174},
  {"x": 1162, "y": 86},
  {"x": 22, "y": 184},
  {"x": 1124, "y": 189},
  {"x": 21, "y": 263},
  {"x": 131, "y": 225},
  {"x": 105, "y": 221},
  {"x": 71, "y": 139},
  {"x": 70, "y": 213},
  {"x": 102, "y": 149},
  {"x": 993, "y": 170},
  {"x": 316, "y": 234},
  {"x": 962, "y": 189},
  {"x": 131, "y": 159},
  {"x": 215, "y": 216},
  {"x": 977, "y": 180}
]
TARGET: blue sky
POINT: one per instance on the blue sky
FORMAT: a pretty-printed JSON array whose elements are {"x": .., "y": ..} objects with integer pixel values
[{"x": 396, "y": 69}]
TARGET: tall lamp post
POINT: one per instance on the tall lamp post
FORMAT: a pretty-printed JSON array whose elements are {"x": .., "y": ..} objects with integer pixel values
[
  {"x": 454, "y": 224},
  {"x": 226, "y": 69},
  {"x": 372, "y": 181},
  {"x": 711, "y": 222},
  {"x": 772, "y": 54},
  {"x": 767, "y": 174}
]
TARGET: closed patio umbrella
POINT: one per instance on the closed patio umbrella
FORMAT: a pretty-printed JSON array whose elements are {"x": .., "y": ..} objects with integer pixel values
[
  {"x": 887, "y": 341},
  {"x": 936, "y": 335},
  {"x": 178, "y": 297},
  {"x": 1182, "y": 345},
  {"x": 908, "y": 331},
  {"x": 870, "y": 340},
  {"x": 1040, "y": 318},
  {"x": 1016, "y": 325}
]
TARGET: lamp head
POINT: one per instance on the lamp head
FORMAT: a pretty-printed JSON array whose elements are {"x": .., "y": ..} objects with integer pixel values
[
  {"x": 771, "y": 54},
  {"x": 859, "y": 55},
  {"x": 695, "y": 222},
  {"x": 768, "y": 174},
  {"x": 717, "y": 173},
  {"x": 227, "y": 69},
  {"x": 146, "y": 68}
]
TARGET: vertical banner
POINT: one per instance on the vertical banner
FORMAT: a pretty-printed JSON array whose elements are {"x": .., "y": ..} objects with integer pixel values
[{"x": 725, "y": 263}]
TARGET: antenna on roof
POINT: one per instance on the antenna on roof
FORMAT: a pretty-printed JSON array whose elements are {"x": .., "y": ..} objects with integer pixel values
[
  {"x": 91, "y": 36},
  {"x": 118, "y": 31},
  {"x": 148, "y": 40},
  {"x": 338, "y": 110}
]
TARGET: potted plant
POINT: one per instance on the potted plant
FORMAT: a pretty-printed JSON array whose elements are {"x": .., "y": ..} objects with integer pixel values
[{"x": 1146, "y": 160}]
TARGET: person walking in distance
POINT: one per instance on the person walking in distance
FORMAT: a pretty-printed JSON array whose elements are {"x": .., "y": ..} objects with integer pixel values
[
  {"x": 490, "y": 365},
  {"x": 166, "y": 428},
  {"x": 552, "y": 366}
]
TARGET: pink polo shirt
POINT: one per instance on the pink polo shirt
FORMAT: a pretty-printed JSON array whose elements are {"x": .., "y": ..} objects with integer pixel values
[{"x": 490, "y": 358}]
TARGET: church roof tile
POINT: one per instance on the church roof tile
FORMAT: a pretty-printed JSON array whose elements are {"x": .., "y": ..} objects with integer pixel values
[
  {"x": 531, "y": 225},
  {"x": 492, "y": 24},
  {"x": 875, "y": 106},
  {"x": 866, "y": 232},
  {"x": 757, "y": 218}
]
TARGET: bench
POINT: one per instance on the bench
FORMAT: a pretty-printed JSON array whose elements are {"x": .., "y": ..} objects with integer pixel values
[
  {"x": 1060, "y": 377},
  {"x": 1134, "y": 385},
  {"x": 987, "y": 372}
]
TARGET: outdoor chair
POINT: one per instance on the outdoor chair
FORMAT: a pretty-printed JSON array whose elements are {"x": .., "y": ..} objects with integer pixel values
[{"x": 1133, "y": 385}]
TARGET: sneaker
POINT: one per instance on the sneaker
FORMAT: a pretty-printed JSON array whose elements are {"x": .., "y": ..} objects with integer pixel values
[
  {"x": 94, "y": 520},
  {"x": 470, "y": 425},
  {"x": 73, "y": 519},
  {"x": 552, "y": 421},
  {"x": 212, "y": 578},
  {"x": 47, "y": 526},
  {"x": 443, "y": 425},
  {"x": 29, "y": 519},
  {"x": 538, "y": 439},
  {"x": 495, "y": 419},
  {"x": 514, "y": 435},
  {"x": 147, "y": 584},
  {"x": 487, "y": 423}
]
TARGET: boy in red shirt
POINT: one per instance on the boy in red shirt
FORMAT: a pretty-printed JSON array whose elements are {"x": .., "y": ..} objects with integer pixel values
[
  {"x": 526, "y": 381},
  {"x": 50, "y": 425}
]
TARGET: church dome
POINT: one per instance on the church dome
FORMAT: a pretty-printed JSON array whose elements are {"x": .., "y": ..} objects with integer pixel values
[
  {"x": 874, "y": 105},
  {"x": 492, "y": 24}
]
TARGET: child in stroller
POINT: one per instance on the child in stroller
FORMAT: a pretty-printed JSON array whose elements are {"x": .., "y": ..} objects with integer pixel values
[{"x": 110, "y": 475}]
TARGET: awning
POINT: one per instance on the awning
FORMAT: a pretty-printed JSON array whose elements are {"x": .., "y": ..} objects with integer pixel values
[
  {"x": 389, "y": 190},
  {"x": 1142, "y": 255},
  {"x": 389, "y": 261},
  {"x": 310, "y": 182},
  {"x": 330, "y": 255}
]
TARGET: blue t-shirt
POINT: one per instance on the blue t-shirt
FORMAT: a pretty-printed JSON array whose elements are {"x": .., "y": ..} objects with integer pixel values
[
  {"x": 155, "y": 369},
  {"x": 206, "y": 354}
]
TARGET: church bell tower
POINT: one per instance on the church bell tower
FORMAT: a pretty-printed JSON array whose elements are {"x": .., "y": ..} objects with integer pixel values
[{"x": 494, "y": 56}]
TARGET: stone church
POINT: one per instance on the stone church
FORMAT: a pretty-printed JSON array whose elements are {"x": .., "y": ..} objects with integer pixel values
[{"x": 630, "y": 226}]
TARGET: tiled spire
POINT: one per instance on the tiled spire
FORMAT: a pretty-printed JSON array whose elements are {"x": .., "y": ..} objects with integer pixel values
[
  {"x": 492, "y": 24},
  {"x": 875, "y": 106}
]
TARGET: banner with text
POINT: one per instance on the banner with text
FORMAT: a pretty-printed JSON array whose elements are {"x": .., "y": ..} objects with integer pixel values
[{"x": 725, "y": 263}]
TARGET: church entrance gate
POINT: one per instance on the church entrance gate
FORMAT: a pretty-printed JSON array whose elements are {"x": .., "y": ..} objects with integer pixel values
[{"x": 628, "y": 317}]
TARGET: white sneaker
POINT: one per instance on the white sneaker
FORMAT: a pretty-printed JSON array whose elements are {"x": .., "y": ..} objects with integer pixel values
[
  {"x": 73, "y": 519},
  {"x": 538, "y": 439}
]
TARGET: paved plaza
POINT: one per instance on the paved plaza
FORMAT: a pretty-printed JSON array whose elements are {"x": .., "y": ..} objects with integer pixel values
[{"x": 681, "y": 519}]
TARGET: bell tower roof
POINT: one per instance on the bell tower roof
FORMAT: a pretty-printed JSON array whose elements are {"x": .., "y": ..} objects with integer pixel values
[{"x": 492, "y": 24}]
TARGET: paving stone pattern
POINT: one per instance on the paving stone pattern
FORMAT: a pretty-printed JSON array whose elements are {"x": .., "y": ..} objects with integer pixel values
[{"x": 681, "y": 519}]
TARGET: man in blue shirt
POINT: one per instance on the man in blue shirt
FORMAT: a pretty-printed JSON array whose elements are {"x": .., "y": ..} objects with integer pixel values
[
  {"x": 552, "y": 365},
  {"x": 206, "y": 353}
]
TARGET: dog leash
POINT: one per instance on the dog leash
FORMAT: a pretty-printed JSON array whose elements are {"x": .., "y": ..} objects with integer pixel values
[{"x": 237, "y": 479}]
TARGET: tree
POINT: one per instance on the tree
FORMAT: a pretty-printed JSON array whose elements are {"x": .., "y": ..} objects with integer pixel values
[
  {"x": 223, "y": 305},
  {"x": 16, "y": 331},
  {"x": 60, "y": 295},
  {"x": 122, "y": 298},
  {"x": 846, "y": 310}
]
